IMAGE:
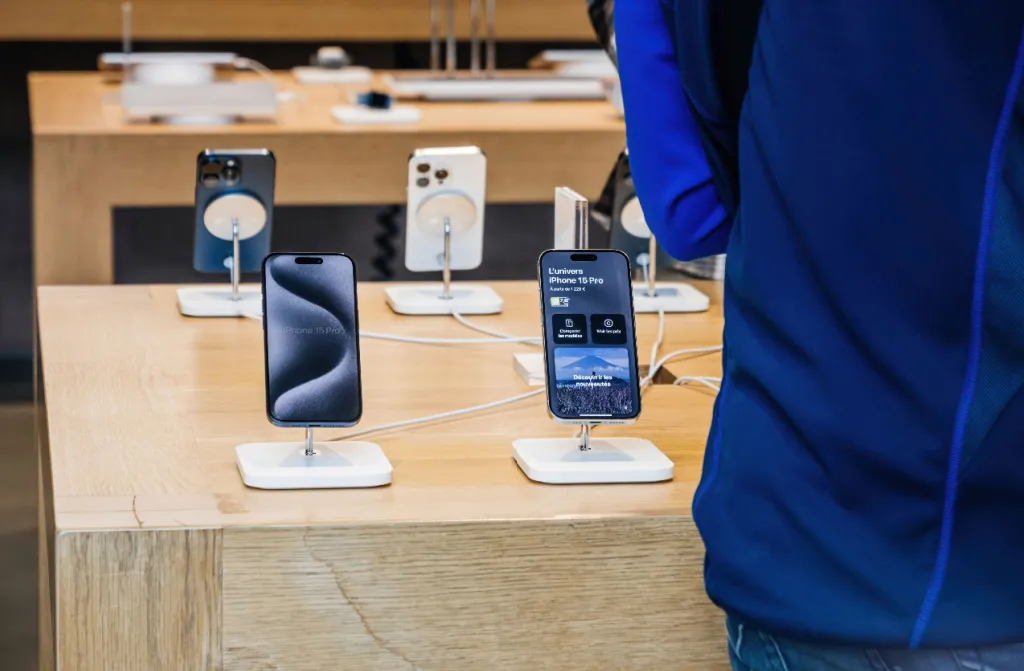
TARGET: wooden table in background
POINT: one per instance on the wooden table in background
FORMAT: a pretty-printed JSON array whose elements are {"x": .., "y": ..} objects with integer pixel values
[
  {"x": 157, "y": 557},
  {"x": 88, "y": 160},
  {"x": 302, "y": 20}
]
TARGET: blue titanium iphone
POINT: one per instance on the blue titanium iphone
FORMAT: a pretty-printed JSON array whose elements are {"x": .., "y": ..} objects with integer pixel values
[
  {"x": 311, "y": 340},
  {"x": 589, "y": 337},
  {"x": 220, "y": 172}
]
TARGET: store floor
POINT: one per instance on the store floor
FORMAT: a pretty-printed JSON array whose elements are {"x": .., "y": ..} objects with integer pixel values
[{"x": 18, "y": 542}]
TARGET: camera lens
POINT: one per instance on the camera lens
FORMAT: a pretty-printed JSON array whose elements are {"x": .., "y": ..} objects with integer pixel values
[
  {"x": 441, "y": 174},
  {"x": 231, "y": 175},
  {"x": 422, "y": 182},
  {"x": 423, "y": 167},
  {"x": 210, "y": 180}
]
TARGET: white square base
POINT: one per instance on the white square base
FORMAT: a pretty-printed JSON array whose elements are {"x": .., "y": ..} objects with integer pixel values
[
  {"x": 559, "y": 461},
  {"x": 426, "y": 299},
  {"x": 530, "y": 367},
  {"x": 341, "y": 465},
  {"x": 669, "y": 297},
  {"x": 359, "y": 115},
  {"x": 216, "y": 302}
]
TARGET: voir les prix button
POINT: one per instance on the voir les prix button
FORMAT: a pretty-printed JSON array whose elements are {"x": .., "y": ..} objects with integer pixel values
[
  {"x": 569, "y": 329},
  {"x": 608, "y": 329}
]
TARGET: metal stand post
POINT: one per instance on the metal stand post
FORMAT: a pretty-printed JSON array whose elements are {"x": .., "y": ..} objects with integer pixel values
[
  {"x": 474, "y": 37},
  {"x": 585, "y": 437},
  {"x": 446, "y": 271},
  {"x": 450, "y": 61},
  {"x": 310, "y": 452},
  {"x": 435, "y": 36},
  {"x": 236, "y": 262},
  {"x": 126, "y": 40},
  {"x": 652, "y": 266},
  {"x": 492, "y": 56}
]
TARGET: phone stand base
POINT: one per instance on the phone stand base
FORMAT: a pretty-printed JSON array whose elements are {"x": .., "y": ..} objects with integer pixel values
[
  {"x": 217, "y": 302},
  {"x": 530, "y": 368},
  {"x": 427, "y": 298},
  {"x": 559, "y": 461},
  {"x": 343, "y": 465},
  {"x": 669, "y": 297}
]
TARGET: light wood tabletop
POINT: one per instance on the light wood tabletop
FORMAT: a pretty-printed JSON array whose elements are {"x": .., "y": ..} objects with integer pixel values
[
  {"x": 88, "y": 160},
  {"x": 298, "y": 20},
  {"x": 161, "y": 558}
]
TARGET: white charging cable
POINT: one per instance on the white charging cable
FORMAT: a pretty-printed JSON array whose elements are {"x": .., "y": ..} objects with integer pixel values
[
  {"x": 710, "y": 382},
  {"x": 440, "y": 416},
  {"x": 497, "y": 334},
  {"x": 242, "y": 63}
]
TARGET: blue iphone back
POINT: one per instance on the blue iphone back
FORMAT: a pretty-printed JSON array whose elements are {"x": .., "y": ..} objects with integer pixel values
[{"x": 222, "y": 172}]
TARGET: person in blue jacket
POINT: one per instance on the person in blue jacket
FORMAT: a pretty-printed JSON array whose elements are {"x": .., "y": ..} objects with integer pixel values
[{"x": 862, "y": 164}]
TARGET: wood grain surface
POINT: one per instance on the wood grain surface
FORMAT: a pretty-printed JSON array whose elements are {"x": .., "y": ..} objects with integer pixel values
[
  {"x": 517, "y": 596},
  {"x": 163, "y": 555},
  {"x": 295, "y": 20},
  {"x": 139, "y": 600},
  {"x": 88, "y": 160}
]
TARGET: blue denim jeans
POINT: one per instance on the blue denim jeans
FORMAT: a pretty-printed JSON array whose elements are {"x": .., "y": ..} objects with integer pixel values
[{"x": 754, "y": 650}]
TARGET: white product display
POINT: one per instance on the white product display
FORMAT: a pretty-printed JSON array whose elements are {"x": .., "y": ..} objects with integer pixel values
[
  {"x": 508, "y": 88},
  {"x": 346, "y": 75},
  {"x": 530, "y": 367},
  {"x": 669, "y": 297},
  {"x": 428, "y": 298},
  {"x": 444, "y": 231},
  {"x": 362, "y": 115},
  {"x": 235, "y": 217},
  {"x": 340, "y": 465},
  {"x": 219, "y": 301},
  {"x": 201, "y": 102},
  {"x": 560, "y": 461}
]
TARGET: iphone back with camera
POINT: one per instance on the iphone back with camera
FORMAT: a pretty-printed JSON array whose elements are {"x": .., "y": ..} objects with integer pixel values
[
  {"x": 589, "y": 337},
  {"x": 311, "y": 340},
  {"x": 236, "y": 171},
  {"x": 441, "y": 172}
]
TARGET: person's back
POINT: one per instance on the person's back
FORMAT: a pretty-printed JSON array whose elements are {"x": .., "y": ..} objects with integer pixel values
[{"x": 864, "y": 476}]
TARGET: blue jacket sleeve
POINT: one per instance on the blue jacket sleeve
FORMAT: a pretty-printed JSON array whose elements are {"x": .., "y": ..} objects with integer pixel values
[{"x": 670, "y": 170}]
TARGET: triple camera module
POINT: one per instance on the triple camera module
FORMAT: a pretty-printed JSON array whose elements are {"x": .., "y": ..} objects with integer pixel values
[
  {"x": 215, "y": 172},
  {"x": 424, "y": 181}
]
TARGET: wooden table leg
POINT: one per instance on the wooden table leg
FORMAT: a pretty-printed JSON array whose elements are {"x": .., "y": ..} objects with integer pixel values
[{"x": 72, "y": 218}]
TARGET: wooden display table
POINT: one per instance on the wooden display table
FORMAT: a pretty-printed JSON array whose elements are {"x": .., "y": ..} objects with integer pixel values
[
  {"x": 297, "y": 20},
  {"x": 158, "y": 557},
  {"x": 88, "y": 160}
]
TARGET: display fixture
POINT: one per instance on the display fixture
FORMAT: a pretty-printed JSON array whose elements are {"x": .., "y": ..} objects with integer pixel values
[
  {"x": 482, "y": 81},
  {"x": 629, "y": 232},
  {"x": 444, "y": 231},
  {"x": 234, "y": 207},
  {"x": 592, "y": 374},
  {"x": 188, "y": 88},
  {"x": 313, "y": 377}
]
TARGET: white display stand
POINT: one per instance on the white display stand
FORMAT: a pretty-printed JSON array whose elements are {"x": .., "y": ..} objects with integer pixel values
[
  {"x": 309, "y": 465},
  {"x": 429, "y": 298},
  {"x": 530, "y": 367},
  {"x": 669, "y": 297},
  {"x": 220, "y": 302},
  {"x": 583, "y": 460},
  {"x": 351, "y": 74},
  {"x": 360, "y": 115},
  {"x": 494, "y": 88},
  {"x": 234, "y": 217}
]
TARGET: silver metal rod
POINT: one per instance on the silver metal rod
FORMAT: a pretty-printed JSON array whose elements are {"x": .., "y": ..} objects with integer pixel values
[
  {"x": 126, "y": 39},
  {"x": 450, "y": 60},
  {"x": 585, "y": 438},
  {"x": 435, "y": 36},
  {"x": 474, "y": 36},
  {"x": 310, "y": 452},
  {"x": 236, "y": 262},
  {"x": 492, "y": 47},
  {"x": 446, "y": 272},
  {"x": 652, "y": 266}
]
